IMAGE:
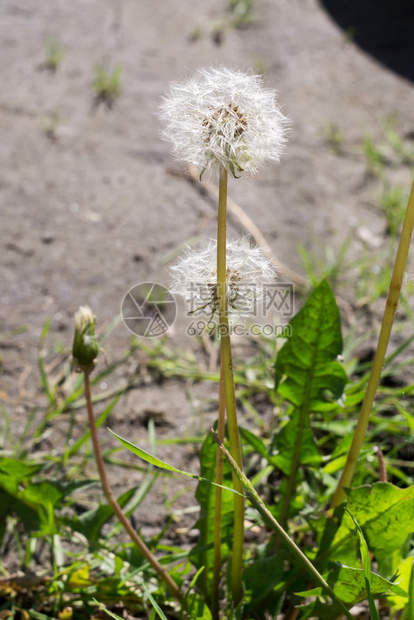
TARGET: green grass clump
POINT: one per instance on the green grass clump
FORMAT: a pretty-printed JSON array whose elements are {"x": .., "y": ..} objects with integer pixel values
[
  {"x": 55, "y": 53},
  {"x": 107, "y": 84}
]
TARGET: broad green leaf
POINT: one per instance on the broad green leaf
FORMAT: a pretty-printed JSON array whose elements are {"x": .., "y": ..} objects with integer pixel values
[
  {"x": 385, "y": 513},
  {"x": 255, "y": 442},
  {"x": 203, "y": 553},
  {"x": 349, "y": 585},
  {"x": 285, "y": 441},
  {"x": 306, "y": 367},
  {"x": 308, "y": 376},
  {"x": 260, "y": 577},
  {"x": 34, "y": 503},
  {"x": 28, "y": 515},
  {"x": 194, "y": 604},
  {"x": 13, "y": 472},
  {"x": 158, "y": 463}
]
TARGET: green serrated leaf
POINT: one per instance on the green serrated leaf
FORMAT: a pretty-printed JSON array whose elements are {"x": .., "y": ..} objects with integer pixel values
[
  {"x": 32, "y": 502},
  {"x": 284, "y": 445},
  {"x": 28, "y": 515},
  {"x": 260, "y": 576},
  {"x": 385, "y": 513},
  {"x": 309, "y": 377},
  {"x": 306, "y": 367},
  {"x": 255, "y": 442},
  {"x": 349, "y": 585}
]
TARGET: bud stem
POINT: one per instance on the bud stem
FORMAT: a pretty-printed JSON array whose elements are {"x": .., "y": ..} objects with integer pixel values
[{"x": 162, "y": 573}]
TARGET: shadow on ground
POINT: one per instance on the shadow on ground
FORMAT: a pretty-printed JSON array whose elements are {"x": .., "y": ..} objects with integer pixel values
[{"x": 382, "y": 28}]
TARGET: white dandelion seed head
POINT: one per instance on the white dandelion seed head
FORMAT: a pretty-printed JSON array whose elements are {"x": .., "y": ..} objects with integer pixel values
[
  {"x": 248, "y": 269},
  {"x": 222, "y": 117}
]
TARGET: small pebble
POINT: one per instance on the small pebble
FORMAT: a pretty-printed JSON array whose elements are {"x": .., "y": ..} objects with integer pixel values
[{"x": 47, "y": 238}]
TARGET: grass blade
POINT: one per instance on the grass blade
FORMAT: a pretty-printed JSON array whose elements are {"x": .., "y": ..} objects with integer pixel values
[
  {"x": 158, "y": 463},
  {"x": 366, "y": 564}
]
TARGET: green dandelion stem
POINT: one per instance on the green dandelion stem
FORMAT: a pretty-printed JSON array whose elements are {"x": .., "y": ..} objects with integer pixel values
[
  {"x": 227, "y": 366},
  {"x": 378, "y": 363}
]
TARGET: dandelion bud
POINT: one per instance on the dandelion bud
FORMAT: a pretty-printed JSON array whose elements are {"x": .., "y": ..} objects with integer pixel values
[
  {"x": 85, "y": 344},
  {"x": 224, "y": 118}
]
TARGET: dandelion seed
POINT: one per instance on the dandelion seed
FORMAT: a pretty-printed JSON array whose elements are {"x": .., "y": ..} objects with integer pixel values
[
  {"x": 249, "y": 269},
  {"x": 227, "y": 118}
]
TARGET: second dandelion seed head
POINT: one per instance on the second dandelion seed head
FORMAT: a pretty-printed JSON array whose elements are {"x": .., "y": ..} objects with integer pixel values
[{"x": 248, "y": 271}]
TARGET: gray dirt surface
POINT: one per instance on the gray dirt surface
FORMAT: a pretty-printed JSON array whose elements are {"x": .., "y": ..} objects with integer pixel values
[{"x": 91, "y": 201}]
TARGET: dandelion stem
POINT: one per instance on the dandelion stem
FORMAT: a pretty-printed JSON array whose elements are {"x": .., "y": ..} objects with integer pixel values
[
  {"x": 268, "y": 517},
  {"x": 217, "y": 507},
  {"x": 227, "y": 366},
  {"x": 377, "y": 364},
  {"x": 162, "y": 573}
]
